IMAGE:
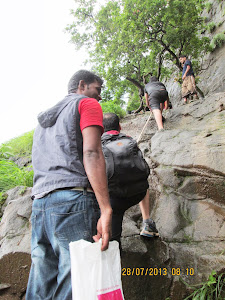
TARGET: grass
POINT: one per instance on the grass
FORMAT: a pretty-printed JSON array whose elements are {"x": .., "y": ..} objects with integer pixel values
[
  {"x": 211, "y": 27},
  {"x": 217, "y": 41},
  {"x": 19, "y": 146},
  {"x": 11, "y": 175},
  {"x": 212, "y": 289},
  {"x": 208, "y": 6}
]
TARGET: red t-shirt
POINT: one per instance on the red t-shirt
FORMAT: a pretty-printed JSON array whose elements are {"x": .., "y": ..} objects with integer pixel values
[{"x": 90, "y": 113}]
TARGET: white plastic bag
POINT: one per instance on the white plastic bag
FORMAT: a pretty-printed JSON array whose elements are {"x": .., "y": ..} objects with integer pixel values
[{"x": 95, "y": 274}]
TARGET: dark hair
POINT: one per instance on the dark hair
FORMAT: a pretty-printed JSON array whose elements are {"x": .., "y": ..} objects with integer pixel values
[
  {"x": 182, "y": 56},
  {"x": 153, "y": 78},
  {"x": 87, "y": 76},
  {"x": 110, "y": 122}
]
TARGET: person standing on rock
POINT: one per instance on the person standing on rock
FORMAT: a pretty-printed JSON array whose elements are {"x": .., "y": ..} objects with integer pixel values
[
  {"x": 188, "y": 77},
  {"x": 157, "y": 98},
  {"x": 70, "y": 185},
  {"x": 127, "y": 177}
]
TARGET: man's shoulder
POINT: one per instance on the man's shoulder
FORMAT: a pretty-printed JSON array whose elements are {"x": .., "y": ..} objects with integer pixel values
[{"x": 148, "y": 84}]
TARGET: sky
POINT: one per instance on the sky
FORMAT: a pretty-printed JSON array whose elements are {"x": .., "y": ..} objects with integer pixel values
[{"x": 37, "y": 61}]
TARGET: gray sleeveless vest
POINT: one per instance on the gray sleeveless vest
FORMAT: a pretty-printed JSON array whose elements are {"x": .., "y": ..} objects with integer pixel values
[{"x": 57, "y": 153}]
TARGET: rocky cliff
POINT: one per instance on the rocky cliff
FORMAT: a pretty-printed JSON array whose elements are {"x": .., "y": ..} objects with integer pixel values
[
  {"x": 187, "y": 196},
  {"x": 187, "y": 185}
]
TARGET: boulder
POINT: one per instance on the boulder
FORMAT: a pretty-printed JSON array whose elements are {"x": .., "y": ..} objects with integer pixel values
[{"x": 15, "y": 235}]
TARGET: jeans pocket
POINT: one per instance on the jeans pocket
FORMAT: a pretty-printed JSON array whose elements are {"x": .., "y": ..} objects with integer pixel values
[{"x": 70, "y": 227}]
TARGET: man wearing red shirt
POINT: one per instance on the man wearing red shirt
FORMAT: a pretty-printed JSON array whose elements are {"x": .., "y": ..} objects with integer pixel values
[{"x": 70, "y": 193}]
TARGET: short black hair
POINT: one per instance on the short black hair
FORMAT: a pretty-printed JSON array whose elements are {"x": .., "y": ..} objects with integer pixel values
[
  {"x": 181, "y": 56},
  {"x": 87, "y": 76},
  {"x": 111, "y": 122},
  {"x": 153, "y": 79}
]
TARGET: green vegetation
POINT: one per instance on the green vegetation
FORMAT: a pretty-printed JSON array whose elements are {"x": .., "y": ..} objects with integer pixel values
[
  {"x": 217, "y": 41},
  {"x": 3, "y": 197},
  {"x": 11, "y": 174},
  {"x": 19, "y": 146},
  {"x": 214, "y": 288},
  {"x": 113, "y": 107},
  {"x": 133, "y": 102},
  {"x": 211, "y": 27},
  {"x": 130, "y": 40},
  {"x": 208, "y": 6}
]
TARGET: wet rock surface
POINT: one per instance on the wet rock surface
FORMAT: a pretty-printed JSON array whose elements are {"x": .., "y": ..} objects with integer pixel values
[
  {"x": 187, "y": 190},
  {"x": 187, "y": 197}
]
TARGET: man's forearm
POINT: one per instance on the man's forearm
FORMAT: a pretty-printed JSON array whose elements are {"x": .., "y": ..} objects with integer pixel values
[
  {"x": 94, "y": 164},
  {"x": 166, "y": 104}
]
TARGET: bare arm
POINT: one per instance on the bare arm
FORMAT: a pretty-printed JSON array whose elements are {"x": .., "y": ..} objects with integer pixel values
[
  {"x": 166, "y": 104},
  {"x": 94, "y": 164}
]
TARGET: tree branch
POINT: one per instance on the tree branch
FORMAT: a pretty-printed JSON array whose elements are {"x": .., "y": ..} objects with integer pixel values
[{"x": 136, "y": 83}]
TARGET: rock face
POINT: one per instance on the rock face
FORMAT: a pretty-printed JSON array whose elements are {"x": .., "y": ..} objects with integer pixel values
[
  {"x": 15, "y": 235},
  {"x": 187, "y": 198},
  {"x": 187, "y": 185}
]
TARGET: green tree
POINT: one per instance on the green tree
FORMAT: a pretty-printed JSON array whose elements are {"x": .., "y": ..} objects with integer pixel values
[
  {"x": 128, "y": 40},
  {"x": 133, "y": 102},
  {"x": 112, "y": 107}
]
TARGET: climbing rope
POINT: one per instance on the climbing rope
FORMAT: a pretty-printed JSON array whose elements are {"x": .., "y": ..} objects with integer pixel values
[{"x": 140, "y": 136}]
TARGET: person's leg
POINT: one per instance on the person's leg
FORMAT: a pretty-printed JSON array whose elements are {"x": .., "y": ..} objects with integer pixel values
[
  {"x": 158, "y": 118},
  {"x": 149, "y": 227},
  {"x": 194, "y": 92},
  {"x": 185, "y": 90},
  {"x": 144, "y": 206},
  {"x": 119, "y": 206},
  {"x": 72, "y": 215},
  {"x": 117, "y": 221},
  {"x": 44, "y": 268},
  {"x": 157, "y": 100}
]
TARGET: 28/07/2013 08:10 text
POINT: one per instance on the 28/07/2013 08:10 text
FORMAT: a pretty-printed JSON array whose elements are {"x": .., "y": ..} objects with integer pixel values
[{"x": 157, "y": 271}]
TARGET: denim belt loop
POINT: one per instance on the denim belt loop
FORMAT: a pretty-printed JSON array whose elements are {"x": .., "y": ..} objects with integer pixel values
[{"x": 85, "y": 191}]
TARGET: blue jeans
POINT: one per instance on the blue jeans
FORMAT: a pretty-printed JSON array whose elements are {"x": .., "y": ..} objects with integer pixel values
[{"x": 57, "y": 219}]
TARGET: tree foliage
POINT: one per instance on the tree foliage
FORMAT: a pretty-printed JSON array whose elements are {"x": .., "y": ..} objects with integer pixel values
[
  {"x": 112, "y": 107},
  {"x": 128, "y": 40},
  {"x": 132, "y": 104}
]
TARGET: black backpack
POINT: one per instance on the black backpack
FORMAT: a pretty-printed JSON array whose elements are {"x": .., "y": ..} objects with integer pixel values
[{"x": 126, "y": 168}]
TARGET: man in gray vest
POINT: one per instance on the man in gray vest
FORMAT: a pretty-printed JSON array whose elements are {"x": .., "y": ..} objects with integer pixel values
[{"x": 70, "y": 193}]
